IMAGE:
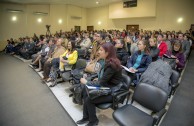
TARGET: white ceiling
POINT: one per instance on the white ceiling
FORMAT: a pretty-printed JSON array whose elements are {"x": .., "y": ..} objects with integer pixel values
[{"x": 81, "y": 3}]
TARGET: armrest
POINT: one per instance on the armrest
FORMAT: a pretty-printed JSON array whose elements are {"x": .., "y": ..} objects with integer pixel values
[
  {"x": 175, "y": 85},
  {"x": 117, "y": 98},
  {"x": 121, "y": 94},
  {"x": 157, "y": 116}
]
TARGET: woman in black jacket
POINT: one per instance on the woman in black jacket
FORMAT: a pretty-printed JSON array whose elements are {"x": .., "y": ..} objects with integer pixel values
[
  {"x": 110, "y": 76},
  {"x": 121, "y": 53},
  {"x": 154, "y": 51}
]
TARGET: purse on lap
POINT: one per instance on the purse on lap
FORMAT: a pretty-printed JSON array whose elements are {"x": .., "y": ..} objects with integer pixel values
[
  {"x": 93, "y": 66},
  {"x": 95, "y": 92}
]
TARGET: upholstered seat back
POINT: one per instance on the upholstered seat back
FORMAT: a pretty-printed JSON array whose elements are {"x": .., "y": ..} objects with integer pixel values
[{"x": 150, "y": 97}]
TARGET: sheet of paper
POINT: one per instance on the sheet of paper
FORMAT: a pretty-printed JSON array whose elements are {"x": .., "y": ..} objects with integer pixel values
[{"x": 127, "y": 69}]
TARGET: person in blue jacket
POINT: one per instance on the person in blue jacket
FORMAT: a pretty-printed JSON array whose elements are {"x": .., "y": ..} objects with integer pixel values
[{"x": 139, "y": 61}]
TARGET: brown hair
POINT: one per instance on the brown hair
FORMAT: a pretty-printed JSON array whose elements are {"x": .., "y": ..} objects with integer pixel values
[
  {"x": 177, "y": 43},
  {"x": 146, "y": 43}
]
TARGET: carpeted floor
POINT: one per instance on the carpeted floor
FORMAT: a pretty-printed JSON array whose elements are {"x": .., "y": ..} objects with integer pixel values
[
  {"x": 24, "y": 100},
  {"x": 181, "y": 111}
]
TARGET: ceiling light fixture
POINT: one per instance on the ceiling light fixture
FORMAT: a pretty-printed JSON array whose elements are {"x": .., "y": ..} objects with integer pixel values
[
  {"x": 40, "y": 13},
  {"x": 97, "y": 2},
  {"x": 14, "y": 11}
]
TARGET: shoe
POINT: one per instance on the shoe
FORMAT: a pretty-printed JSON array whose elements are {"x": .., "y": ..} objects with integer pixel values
[
  {"x": 49, "y": 80},
  {"x": 39, "y": 70},
  {"x": 44, "y": 78},
  {"x": 95, "y": 123},
  {"x": 82, "y": 121},
  {"x": 53, "y": 84}
]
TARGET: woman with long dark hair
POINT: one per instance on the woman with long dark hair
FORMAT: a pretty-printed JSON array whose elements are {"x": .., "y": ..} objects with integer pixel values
[
  {"x": 110, "y": 76},
  {"x": 69, "y": 57}
]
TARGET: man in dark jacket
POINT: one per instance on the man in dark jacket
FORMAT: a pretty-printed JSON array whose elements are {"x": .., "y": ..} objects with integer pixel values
[{"x": 185, "y": 45}]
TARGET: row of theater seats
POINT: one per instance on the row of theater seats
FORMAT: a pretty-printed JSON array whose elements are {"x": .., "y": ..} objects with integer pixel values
[
  {"x": 146, "y": 95},
  {"x": 149, "y": 96}
]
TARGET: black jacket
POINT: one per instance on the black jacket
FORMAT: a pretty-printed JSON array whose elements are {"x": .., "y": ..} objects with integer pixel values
[
  {"x": 154, "y": 53},
  {"x": 122, "y": 55},
  {"x": 110, "y": 78}
]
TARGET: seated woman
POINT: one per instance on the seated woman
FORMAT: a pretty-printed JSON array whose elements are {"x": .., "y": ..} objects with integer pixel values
[
  {"x": 131, "y": 46},
  {"x": 69, "y": 58},
  {"x": 110, "y": 75},
  {"x": 179, "y": 55},
  {"x": 154, "y": 51},
  {"x": 122, "y": 54},
  {"x": 139, "y": 61},
  {"x": 66, "y": 60},
  {"x": 162, "y": 46}
]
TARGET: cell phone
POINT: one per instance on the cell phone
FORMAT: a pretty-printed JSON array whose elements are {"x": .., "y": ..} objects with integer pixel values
[{"x": 85, "y": 76}]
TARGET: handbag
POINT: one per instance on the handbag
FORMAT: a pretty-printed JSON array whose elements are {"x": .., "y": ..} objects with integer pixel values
[
  {"x": 169, "y": 60},
  {"x": 95, "y": 92},
  {"x": 93, "y": 67}
]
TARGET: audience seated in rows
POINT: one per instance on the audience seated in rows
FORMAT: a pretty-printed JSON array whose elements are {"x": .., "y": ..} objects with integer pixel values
[
  {"x": 44, "y": 50},
  {"x": 144, "y": 58},
  {"x": 59, "y": 50},
  {"x": 65, "y": 62}
]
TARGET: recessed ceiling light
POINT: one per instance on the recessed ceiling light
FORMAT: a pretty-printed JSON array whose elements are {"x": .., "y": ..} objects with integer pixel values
[
  {"x": 14, "y": 18},
  {"x": 60, "y": 21},
  {"x": 39, "y": 20},
  {"x": 99, "y": 22},
  {"x": 180, "y": 20},
  {"x": 97, "y": 2}
]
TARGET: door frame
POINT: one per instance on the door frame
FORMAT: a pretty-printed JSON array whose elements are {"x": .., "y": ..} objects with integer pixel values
[{"x": 132, "y": 25}]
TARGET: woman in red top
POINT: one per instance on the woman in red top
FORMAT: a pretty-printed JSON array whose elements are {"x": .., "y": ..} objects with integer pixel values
[{"x": 162, "y": 46}]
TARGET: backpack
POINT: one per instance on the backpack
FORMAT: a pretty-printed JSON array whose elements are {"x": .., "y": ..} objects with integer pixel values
[
  {"x": 77, "y": 93},
  {"x": 76, "y": 75}
]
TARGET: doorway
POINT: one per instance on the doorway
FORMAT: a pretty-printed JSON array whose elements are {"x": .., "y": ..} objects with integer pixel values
[
  {"x": 132, "y": 28},
  {"x": 90, "y": 28},
  {"x": 77, "y": 28}
]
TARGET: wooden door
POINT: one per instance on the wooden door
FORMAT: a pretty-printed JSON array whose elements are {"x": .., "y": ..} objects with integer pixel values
[
  {"x": 132, "y": 28},
  {"x": 77, "y": 28},
  {"x": 90, "y": 28}
]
